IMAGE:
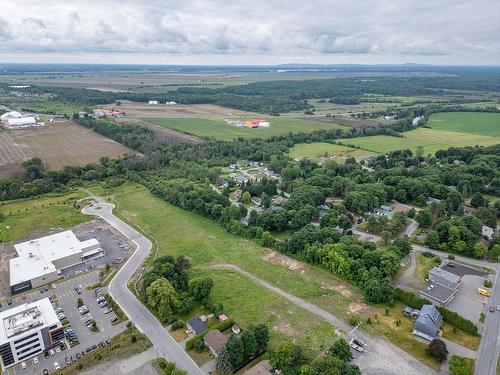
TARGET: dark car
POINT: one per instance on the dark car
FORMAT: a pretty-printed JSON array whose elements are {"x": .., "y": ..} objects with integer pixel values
[
  {"x": 492, "y": 308},
  {"x": 45, "y": 371},
  {"x": 67, "y": 360},
  {"x": 78, "y": 356},
  {"x": 358, "y": 342}
]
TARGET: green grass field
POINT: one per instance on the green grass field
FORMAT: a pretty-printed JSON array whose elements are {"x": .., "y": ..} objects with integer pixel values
[
  {"x": 322, "y": 151},
  {"x": 467, "y": 122},
  {"x": 215, "y": 127},
  {"x": 180, "y": 232},
  {"x": 432, "y": 140},
  {"x": 25, "y": 218}
]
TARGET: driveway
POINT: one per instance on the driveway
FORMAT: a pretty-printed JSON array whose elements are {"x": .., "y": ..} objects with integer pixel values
[
  {"x": 380, "y": 357},
  {"x": 135, "y": 310}
]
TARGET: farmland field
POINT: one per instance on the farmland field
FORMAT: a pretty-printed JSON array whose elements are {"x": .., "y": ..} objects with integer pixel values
[
  {"x": 467, "y": 122},
  {"x": 215, "y": 127},
  {"x": 432, "y": 140},
  {"x": 57, "y": 144},
  {"x": 322, "y": 150}
]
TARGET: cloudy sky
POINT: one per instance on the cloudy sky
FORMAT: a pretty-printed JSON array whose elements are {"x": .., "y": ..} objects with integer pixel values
[{"x": 250, "y": 31}]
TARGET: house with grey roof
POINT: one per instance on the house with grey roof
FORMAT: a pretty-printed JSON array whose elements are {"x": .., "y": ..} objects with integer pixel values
[
  {"x": 428, "y": 323},
  {"x": 442, "y": 286}
]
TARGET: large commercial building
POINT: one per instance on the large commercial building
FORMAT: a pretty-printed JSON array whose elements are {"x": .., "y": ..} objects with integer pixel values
[
  {"x": 40, "y": 260},
  {"x": 26, "y": 330},
  {"x": 15, "y": 120}
]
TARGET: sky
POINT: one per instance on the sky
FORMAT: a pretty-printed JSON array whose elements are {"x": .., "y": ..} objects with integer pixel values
[{"x": 250, "y": 32}]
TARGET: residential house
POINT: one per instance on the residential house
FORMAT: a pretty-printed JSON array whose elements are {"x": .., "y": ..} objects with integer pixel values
[
  {"x": 214, "y": 340},
  {"x": 383, "y": 211},
  {"x": 237, "y": 194},
  {"x": 488, "y": 232},
  {"x": 256, "y": 201},
  {"x": 261, "y": 368},
  {"x": 428, "y": 323},
  {"x": 196, "y": 326},
  {"x": 432, "y": 200}
]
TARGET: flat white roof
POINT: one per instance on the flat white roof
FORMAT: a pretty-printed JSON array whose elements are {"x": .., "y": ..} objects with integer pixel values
[
  {"x": 35, "y": 257},
  {"x": 27, "y": 317}
]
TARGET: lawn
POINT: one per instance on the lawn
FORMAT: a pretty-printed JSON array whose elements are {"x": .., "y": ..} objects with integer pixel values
[
  {"x": 44, "y": 213},
  {"x": 322, "y": 151},
  {"x": 424, "y": 265},
  {"x": 398, "y": 329},
  {"x": 481, "y": 123},
  {"x": 249, "y": 303},
  {"x": 215, "y": 127},
  {"x": 432, "y": 140}
]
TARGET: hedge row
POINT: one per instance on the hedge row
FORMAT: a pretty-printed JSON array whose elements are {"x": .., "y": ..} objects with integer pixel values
[
  {"x": 222, "y": 326},
  {"x": 450, "y": 317}
]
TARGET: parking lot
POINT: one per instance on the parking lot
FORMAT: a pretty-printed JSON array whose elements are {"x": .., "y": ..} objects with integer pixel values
[
  {"x": 116, "y": 247},
  {"x": 467, "y": 301},
  {"x": 67, "y": 298}
]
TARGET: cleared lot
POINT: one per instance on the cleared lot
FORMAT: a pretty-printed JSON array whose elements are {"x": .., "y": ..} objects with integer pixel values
[{"x": 57, "y": 144}]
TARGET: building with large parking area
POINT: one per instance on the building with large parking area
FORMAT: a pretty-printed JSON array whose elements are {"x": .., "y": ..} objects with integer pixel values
[
  {"x": 39, "y": 261},
  {"x": 27, "y": 330}
]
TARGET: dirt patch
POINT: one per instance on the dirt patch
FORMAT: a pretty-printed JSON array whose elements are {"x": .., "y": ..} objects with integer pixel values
[
  {"x": 292, "y": 264},
  {"x": 133, "y": 109},
  {"x": 344, "y": 121},
  {"x": 58, "y": 144},
  {"x": 342, "y": 289},
  {"x": 286, "y": 328},
  {"x": 356, "y": 307}
]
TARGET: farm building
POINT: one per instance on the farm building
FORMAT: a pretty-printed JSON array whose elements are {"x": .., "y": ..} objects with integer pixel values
[
  {"x": 40, "y": 260},
  {"x": 153, "y": 102},
  {"x": 256, "y": 124},
  {"x": 170, "y": 103},
  {"x": 15, "y": 120}
]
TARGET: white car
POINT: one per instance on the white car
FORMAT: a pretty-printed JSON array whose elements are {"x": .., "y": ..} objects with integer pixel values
[
  {"x": 36, "y": 361},
  {"x": 56, "y": 365},
  {"x": 24, "y": 365},
  {"x": 58, "y": 349},
  {"x": 52, "y": 352}
]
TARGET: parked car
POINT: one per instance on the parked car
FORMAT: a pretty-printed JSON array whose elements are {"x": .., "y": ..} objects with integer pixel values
[
  {"x": 492, "y": 308},
  {"x": 103, "y": 304},
  {"x": 24, "y": 365},
  {"x": 56, "y": 365},
  {"x": 67, "y": 360},
  {"x": 99, "y": 299},
  {"x": 358, "y": 342},
  {"x": 58, "y": 349},
  {"x": 45, "y": 371},
  {"x": 52, "y": 352},
  {"x": 78, "y": 356},
  {"x": 36, "y": 361},
  {"x": 108, "y": 310}
]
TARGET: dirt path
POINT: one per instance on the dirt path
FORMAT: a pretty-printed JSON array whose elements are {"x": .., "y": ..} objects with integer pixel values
[
  {"x": 380, "y": 357},
  {"x": 408, "y": 275}
]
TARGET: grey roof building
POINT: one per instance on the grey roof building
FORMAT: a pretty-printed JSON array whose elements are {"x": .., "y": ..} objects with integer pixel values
[
  {"x": 444, "y": 278},
  {"x": 196, "y": 326},
  {"x": 428, "y": 323},
  {"x": 442, "y": 287}
]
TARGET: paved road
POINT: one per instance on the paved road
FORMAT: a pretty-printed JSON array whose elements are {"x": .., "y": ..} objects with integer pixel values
[
  {"x": 380, "y": 358},
  {"x": 135, "y": 310}
]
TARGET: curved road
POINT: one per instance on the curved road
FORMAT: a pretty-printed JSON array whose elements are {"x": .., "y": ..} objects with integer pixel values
[{"x": 143, "y": 319}]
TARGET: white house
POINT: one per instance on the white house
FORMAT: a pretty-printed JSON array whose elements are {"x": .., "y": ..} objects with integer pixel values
[{"x": 153, "y": 102}]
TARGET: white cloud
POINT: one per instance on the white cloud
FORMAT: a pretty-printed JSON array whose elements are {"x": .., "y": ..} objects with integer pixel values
[{"x": 254, "y": 31}]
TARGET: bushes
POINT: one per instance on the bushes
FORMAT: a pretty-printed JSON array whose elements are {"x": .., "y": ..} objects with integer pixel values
[
  {"x": 410, "y": 299},
  {"x": 456, "y": 320},
  {"x": 460, "y": 365},
  {"x": 178, "y": 324},
  {"x": 168, "y": 368}
]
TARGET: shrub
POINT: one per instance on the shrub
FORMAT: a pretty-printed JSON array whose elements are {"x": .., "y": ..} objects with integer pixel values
[
  {"x": 353, "y": 320},
  {"x": 488, "y": 283},
  {"x": 451, "y": 256},
  {"x": 437, "y": 348},
  {"x": 460, "y": 365},
  {"x": 79, "y": 366},
  {"x": 133, "y": 339},
  {"x": 178, "y": 324}
]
